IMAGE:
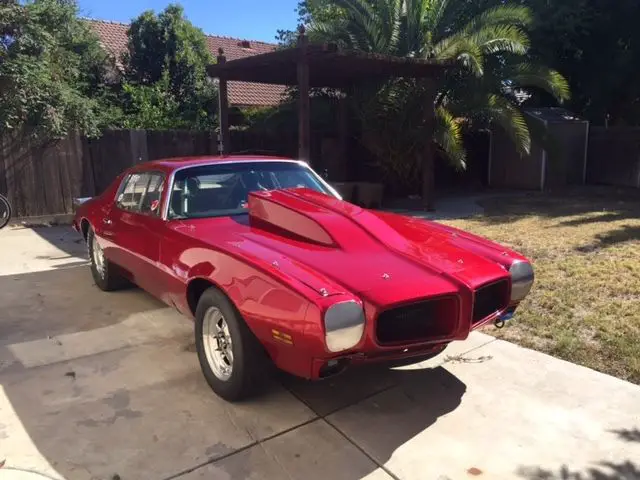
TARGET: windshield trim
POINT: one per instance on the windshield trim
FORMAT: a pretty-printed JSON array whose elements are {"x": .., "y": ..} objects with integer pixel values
[{"x": 171, "y": 180}]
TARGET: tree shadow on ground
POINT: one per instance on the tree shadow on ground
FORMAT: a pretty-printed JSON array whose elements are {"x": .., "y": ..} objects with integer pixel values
[
  {"x": 627, "y": 470},
  {"x": 620, "y": 203},
  {"x": 605, "y": 470},
  {"x": 618, "y": 236},
  {"x": 631, "y": 213},
  {"x": 629, "y": 435}
]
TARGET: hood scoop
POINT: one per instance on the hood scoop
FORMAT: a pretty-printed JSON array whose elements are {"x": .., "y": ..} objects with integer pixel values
[{"x": 290, "y": 215}]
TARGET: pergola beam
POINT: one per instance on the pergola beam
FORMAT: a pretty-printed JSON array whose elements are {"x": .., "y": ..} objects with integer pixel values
[{"x": 328, "y": 67}]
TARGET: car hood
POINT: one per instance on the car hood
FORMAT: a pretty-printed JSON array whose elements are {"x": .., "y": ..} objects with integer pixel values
[{"x": 336, "y": 247}]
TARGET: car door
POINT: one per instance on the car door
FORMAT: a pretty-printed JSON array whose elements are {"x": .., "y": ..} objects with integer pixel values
[
  {"x": 147, "y": 228},
  {"x": 103, "y": 225},
  {"x": 126, "y": 234}
]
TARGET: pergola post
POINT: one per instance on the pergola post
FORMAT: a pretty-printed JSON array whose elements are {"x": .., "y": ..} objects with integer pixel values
[
  {"x": 343, "y": 135},
  {"x": 428, "y": 154},
  {"x": 304, "y": 128},
  {"x": 224, "y": 146}
]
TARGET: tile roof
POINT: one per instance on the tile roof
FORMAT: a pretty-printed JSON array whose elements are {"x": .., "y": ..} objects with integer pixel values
[{"x": 113, "y": 37}]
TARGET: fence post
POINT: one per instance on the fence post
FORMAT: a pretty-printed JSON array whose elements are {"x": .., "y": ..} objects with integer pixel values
[
  {"x": 139, "y": 148},
  {"x": 586, "y": 154}
]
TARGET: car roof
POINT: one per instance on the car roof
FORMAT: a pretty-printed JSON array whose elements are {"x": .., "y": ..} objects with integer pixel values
[{"x": 170, "y": 164}]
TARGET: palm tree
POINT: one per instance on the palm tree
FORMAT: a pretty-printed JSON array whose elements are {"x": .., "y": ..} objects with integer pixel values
[{"x": 493, "y": 77}]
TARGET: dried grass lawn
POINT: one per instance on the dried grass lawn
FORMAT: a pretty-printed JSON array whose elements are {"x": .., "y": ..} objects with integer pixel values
[{"x": 585, "y": 247}]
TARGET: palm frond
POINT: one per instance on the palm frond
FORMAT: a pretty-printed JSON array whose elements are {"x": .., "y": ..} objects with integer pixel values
[
  {"x": 530, "y": 75},
  {"x": 335, "y": 32},
  {"x": 499, "y": 110},
  {"x": 462, "y": 49},
  {"x": 448, "y": 135},
  {"x": 413, "y": 13},
  {"x": 491, "y": 47},
  {"x": 390, "y": 12},
  {"x": 432, "y": 14},
  {"x": 364, "y": 25},
  {"x": 361, "y": 7},
  {"x": 501, "y": 38},
  {"x": 500, "y": 15}
]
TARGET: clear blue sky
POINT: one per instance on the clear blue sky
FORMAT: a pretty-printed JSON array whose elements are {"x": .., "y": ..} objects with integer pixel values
[{"x": 246, "y": 19}]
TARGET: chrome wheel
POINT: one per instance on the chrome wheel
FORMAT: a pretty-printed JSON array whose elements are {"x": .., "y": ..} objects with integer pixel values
[
  {"x": 98, "y": 256},
  {"x": 217, "y": 343}
]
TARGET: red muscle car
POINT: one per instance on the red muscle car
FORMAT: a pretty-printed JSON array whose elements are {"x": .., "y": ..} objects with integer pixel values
[{"x": 276, "y": 268}]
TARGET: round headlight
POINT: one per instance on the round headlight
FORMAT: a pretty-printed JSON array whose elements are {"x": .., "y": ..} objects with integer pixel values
[
  {"x": 521, "y": 280},
  {"x": 344, "y": 325}
]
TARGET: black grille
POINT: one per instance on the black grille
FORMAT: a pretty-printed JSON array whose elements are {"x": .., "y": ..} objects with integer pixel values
[
  {"x": 490, "y": 299},
  {"x": 416, "y": 322}
]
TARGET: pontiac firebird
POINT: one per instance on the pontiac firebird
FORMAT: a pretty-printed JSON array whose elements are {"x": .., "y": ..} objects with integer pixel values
[{"x": 275, "y": 268}]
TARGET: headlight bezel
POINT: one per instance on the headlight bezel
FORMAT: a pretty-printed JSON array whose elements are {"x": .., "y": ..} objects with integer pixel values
[
  {"x": 522, "y": 277},
  {"x": 344, "y": 325}
]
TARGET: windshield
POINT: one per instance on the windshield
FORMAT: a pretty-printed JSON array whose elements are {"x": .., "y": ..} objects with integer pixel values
[{"x": 220, "y": 190}]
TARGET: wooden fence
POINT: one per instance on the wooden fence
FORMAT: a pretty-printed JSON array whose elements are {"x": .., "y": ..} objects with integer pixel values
[
  {"x": 614, "y": 156},
  {"x": 43, "y": 180}
]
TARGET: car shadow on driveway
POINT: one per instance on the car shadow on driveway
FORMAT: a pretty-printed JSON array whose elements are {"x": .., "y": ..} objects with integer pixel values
[
  {"x": 95, "y": 384},
  {"x": 48, "y": 304},
  {"x": 364, "y": 416},
  {"x": 98, "y": 384},
  {"x": 61, "y": 237},
  {"x": 145, "y": 412}
]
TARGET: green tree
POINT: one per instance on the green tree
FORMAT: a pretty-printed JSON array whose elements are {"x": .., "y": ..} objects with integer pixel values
[
  {"x": 165, "y": 73},
  {"x": 494, "y": 74},
  {"x": 596, "y": 45},
  {"x": 308, "y": 10},
  {"x": 578, "y": 38},
  {"x": 52, "y": 71},
  {"x": 150, "y": 107}
]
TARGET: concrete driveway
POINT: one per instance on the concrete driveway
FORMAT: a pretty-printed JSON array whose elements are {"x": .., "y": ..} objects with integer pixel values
[{"x": 107, "y": 386}]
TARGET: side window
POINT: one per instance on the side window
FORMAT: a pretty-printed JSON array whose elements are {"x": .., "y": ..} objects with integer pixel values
[
  {"x": 132, "y": 194},
  {"x": 153, "y": 196}
]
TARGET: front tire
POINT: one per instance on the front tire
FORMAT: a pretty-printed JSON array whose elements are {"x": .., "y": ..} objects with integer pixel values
[
  {"x": 104, "y": 273},
  {"x": 231, "y": 357}
]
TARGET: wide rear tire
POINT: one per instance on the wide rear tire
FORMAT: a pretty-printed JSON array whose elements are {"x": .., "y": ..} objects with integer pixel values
[
  {"x": 232, "y": 359},
  {"x": 5, "y": 211}
]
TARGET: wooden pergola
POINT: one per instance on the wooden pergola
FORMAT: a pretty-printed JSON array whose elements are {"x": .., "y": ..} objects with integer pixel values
[{"x": 309, "y": 65}]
